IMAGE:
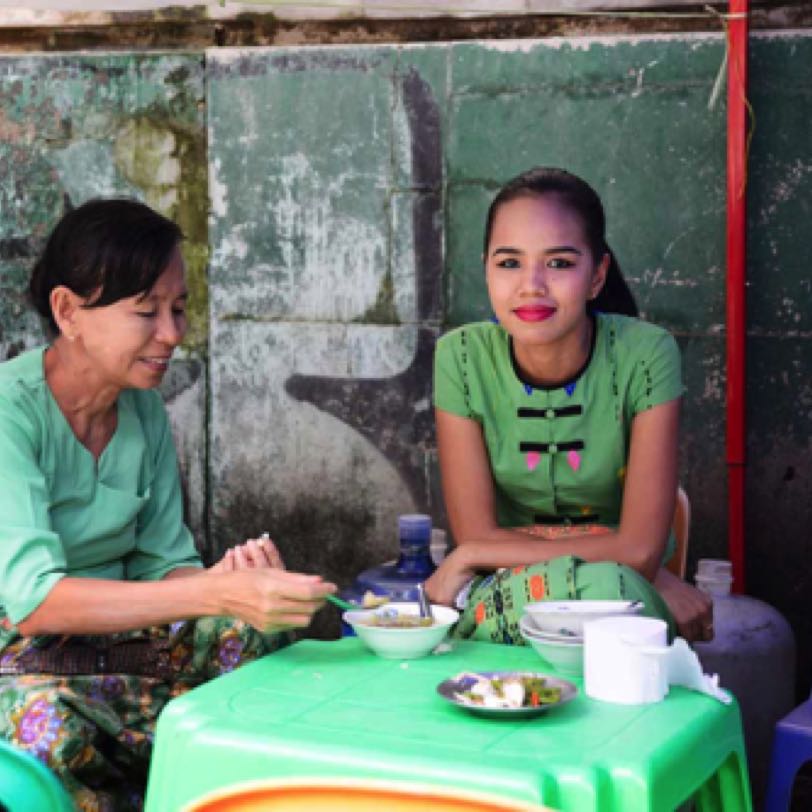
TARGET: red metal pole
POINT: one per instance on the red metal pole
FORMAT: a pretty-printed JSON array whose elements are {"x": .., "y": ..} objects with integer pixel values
[{"x": 736, "y": 258}]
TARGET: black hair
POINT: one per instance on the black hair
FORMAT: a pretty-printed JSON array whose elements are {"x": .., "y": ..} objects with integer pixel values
[
  {"x": 109, "y": 249},
  {"x": 581, "y": 198}
]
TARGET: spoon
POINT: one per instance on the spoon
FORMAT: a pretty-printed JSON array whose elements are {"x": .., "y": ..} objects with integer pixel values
[
  {"x": 423, "y": 602},
  {"x": 368, "y": 603},
  {"x": 341, "y": 603}
]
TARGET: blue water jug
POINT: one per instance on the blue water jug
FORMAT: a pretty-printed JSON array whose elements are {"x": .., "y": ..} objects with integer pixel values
[{"x": 397, "y": 580}]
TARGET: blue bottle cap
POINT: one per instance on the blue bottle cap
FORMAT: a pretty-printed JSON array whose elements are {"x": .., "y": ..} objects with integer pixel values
[{"x": 414, "y": 527}]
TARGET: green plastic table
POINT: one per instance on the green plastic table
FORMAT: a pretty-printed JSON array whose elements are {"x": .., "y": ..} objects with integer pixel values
[{"x": 324, "y": 709}]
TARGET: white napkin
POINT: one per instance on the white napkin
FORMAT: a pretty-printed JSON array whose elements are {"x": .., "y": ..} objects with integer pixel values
[{"x": 684, "y": 669}]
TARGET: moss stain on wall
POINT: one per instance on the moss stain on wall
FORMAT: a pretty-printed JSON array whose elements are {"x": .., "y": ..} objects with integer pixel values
[
  {"x": 167, "y": 162},
  {"x": 383, "y": 311}
]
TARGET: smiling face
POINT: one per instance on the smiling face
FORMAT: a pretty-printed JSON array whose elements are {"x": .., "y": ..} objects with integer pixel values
[
  {"x": 128, "y": 343},
  {"x": 541, "y": 272}
]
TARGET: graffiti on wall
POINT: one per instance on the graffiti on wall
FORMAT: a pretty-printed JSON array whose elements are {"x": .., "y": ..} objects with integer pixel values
[{"x": 395, "y": 413}]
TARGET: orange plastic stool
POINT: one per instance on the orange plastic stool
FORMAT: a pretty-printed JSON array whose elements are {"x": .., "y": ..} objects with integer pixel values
[{"x": 351, "y": 796}]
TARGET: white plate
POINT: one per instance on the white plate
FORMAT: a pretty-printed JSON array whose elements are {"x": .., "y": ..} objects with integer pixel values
[
  {"x": 561, "y": 617},
  {"x": 451, "y": 689},
  {"x": 528, "y": 629}
]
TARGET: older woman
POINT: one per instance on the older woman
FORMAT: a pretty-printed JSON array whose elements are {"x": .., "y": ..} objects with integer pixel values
[{"x": 105, "y": 610}]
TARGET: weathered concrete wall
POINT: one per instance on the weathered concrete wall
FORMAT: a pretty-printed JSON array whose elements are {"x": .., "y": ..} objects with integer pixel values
[
  {"x": 348, "y": 189},
  {"x": 325, "y": 282},
  {"x": 779, "y": 365},
  {"x": 74, "y": 127},
  {"x": 316, "y": 157}
]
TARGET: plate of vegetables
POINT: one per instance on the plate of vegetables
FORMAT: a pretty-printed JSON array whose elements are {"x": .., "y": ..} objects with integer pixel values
[{"x": 507, "y": 693}]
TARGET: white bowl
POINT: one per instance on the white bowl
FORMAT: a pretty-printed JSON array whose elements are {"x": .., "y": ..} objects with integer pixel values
[
  {"x": 395, "y": 643},
  {"x": 566, "y": 658},
  {"x": 568, "y": 617}
]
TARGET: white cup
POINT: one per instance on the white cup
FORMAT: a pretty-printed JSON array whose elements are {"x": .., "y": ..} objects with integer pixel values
[{"x": 625, "y": 660}]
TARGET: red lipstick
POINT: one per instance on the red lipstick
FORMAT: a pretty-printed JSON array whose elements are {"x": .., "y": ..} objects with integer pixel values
[{"x": 534, "y": 312}]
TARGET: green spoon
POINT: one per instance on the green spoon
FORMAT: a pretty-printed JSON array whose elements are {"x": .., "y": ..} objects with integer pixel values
[
  {"x": 342, "y": 604},
  {"x": 354, "y": 607}
]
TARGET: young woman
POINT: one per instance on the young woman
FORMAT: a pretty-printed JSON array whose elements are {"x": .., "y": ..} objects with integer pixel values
[
  {"x": 557, "y": 425},
  {"x": 95, "y": 561}
]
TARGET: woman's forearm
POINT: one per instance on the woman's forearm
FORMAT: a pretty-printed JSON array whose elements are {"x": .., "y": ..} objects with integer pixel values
[
  {"x": 89, "y": 606},
  {"x": 499, "y": 547}
]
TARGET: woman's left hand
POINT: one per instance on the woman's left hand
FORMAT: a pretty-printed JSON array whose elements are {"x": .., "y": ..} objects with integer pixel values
[
  {"x": 449, "y": 578},
  {"x": 691, "y": 608},
  {"x": 252, "y": 554}
]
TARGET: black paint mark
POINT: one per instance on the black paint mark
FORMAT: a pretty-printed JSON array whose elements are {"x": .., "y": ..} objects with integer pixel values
[
  {"x": 395, "y": 413},
  {"x": 28, "y": 247},
  {"x": 14, "y": 349},
  {"x": 182, "y": 375},
  {"x": 17, "y": 248}
]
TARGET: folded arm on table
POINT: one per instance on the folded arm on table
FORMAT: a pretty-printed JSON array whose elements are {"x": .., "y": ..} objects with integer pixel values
[{"x": 638, "y": 542}]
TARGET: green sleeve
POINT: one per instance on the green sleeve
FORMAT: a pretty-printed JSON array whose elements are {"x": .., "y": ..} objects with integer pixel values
[
  {"x": 32, "y": 559},
  {"x": 451, "y": 393},
  {"x": 162, "y": 540},
  {"x": 657, "y": 375}
]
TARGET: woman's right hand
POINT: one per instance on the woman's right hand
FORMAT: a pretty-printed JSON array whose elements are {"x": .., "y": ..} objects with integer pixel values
[
  {"x": 270, "y": 599},
  {"x": 252, "y": 553}
]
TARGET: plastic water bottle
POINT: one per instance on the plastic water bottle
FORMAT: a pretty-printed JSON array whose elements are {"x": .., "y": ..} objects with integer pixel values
[{"x": 397, "y": 579}]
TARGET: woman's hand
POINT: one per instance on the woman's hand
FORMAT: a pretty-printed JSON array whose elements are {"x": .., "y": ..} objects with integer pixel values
[
  {"x": 252, "y": 554},
  {"x": 450, "y": 577},
  {"x": 691, "y": 608},
  {"x": 270, "y": 599}
]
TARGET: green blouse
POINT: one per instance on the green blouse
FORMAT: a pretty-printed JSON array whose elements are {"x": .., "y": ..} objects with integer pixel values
[
  {"x": 558, "y": 454},
  {"x": 62, "y": 513}
]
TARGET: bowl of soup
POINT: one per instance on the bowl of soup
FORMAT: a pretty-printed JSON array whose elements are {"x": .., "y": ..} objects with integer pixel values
[{"x": 397, "y": 632}]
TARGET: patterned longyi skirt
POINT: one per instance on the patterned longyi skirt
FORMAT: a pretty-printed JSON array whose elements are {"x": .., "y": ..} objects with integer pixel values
[{"x": 95, "y": 730}]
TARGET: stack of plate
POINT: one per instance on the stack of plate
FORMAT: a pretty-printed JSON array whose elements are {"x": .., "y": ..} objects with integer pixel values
[
  {"x": 564, "y": 652},
  {"x": 555, "y": 629}
]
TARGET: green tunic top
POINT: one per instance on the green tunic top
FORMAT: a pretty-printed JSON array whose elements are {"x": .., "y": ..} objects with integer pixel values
[
  {"x": 558, "y": 454},
  {"x": 62, "y": 513}
]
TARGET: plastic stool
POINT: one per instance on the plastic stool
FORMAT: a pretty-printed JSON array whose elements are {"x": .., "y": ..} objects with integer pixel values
[
  {"x": 792, "y": 746},
  {"x": 351, "y": 796},
  {"x": 27, "y": 784}
]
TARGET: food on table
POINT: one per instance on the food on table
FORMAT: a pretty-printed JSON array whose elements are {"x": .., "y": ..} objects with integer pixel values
[
  {"x": 394, "y": 620},
  {"x": 513, "y": 691}
]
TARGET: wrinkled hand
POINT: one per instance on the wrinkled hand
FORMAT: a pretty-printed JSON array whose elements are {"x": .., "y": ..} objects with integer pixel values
[
  {"x": 252, "y": 554},
  {"x": 692, "y": 609},
  {"x": 271, "y": 599},
  {"x": 449, "y": 578}
]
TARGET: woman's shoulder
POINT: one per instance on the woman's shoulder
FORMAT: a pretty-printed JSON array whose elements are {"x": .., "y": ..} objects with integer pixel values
[
  {"x": 24, "y": 399},
  {"x": 25, "y": 368},
  {"x": 22, "y": 378},
  {"x": 482, "y": 336},
  {"x": 633, "y": 336}
]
